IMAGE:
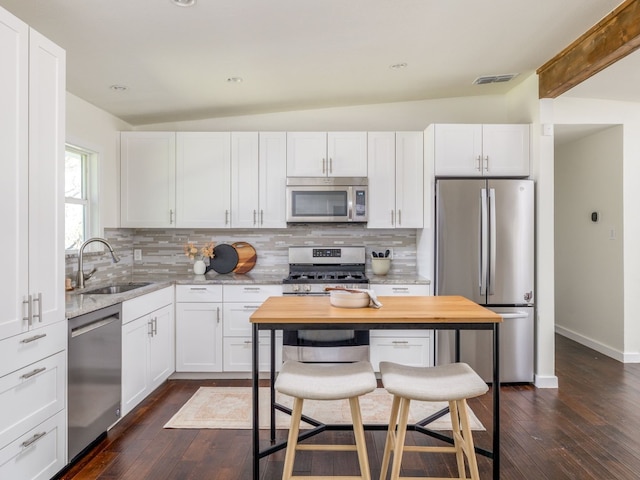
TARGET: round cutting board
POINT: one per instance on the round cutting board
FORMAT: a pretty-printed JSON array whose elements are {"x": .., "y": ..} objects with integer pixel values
[
  {"x": 247, "y": 257},
  {"x": 225, "y": 258}
]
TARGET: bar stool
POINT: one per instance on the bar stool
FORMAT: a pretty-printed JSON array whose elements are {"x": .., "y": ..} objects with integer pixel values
[
  {"x": 453, "y": 383},
  {"x": 317, "y": 381}
]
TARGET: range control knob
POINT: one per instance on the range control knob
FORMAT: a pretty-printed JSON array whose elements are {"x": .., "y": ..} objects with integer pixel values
[
  {"x": 295, "y": 288},
  {"x": 307, "y": 288}
]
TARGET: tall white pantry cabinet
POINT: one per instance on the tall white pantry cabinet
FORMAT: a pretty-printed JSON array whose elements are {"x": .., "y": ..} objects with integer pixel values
[{"x": 33, "y": 331}]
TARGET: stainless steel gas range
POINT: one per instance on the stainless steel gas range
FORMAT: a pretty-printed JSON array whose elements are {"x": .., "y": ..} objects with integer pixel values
[{"x": 311, "y": 271}]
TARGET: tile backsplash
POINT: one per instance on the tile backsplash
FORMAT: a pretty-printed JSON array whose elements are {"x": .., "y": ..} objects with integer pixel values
[{"x": 162, "y": 249}]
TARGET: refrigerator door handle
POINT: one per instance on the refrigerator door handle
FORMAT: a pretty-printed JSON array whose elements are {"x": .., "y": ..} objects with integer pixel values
[
  {"x": 492, "y": 255},
  {"x": 511, "y": 316},
  {"x": 484, "y": 241}
]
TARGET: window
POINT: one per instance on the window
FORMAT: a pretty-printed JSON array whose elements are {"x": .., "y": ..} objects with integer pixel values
[{"x": 80, "y": 196}]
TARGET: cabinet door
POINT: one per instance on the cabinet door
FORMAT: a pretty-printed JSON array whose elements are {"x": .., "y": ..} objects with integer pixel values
[
  {"x": 47, "y": 98},
  {"x": 505, "y": 150},
  {"x": 306, "y": 154},
  {"x": 273, "y": 180},
  {"x": 203, "y": 179},
  {"x": 161, "y": 342},
  {"x": 14, "y": 149},
  {"x": 381, "y": 155},
  {"x": 347, "y": 154},
  {"x": 147, "y": 179},
  {"x": 458, "y": 150},
  {"x": 135, "y": 362},
  {"x": 409, "y": 180},
  {"x": 244, "y": 180},
  {"x": 199, "y": 337}
]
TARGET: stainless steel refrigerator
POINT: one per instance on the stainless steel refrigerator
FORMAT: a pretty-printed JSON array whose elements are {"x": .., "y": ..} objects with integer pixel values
[{"x": 485, "y": 251}]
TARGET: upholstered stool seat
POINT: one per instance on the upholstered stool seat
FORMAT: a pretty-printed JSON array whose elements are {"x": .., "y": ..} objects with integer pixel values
[
  {"x": 317, "y": 381},
  {"x": 453, "y": 383}
]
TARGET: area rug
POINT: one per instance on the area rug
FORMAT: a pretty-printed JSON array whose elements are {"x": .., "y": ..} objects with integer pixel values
[{"x": 230, "y": 407}]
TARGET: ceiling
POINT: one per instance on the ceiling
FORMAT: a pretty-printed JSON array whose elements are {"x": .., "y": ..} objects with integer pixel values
[{"x": 303, "y": 54}]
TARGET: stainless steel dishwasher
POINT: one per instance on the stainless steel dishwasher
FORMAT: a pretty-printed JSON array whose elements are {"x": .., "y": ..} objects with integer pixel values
[{"x": 95, "y": 373}]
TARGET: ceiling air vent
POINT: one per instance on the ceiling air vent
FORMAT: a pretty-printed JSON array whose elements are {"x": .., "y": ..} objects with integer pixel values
[{"x": 494, "y": 79}]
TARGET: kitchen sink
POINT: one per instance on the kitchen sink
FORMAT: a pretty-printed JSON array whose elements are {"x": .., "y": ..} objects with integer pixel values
[{"x": 116, "y": 288}]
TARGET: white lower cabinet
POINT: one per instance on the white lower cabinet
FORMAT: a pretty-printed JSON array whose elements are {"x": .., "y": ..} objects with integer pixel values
[
  {"x": 147, "y": 345},
  {"x": 213, "y": 331},
  {"x": 240, "y": 301},
  {"x": 33, "y": 382},
  {"x": 408, "y": 347},
  {"x": 37, "y": 454}
]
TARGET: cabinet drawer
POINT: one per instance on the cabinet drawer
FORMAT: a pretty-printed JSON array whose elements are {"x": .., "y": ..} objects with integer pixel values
[
  {"x": 198, "y": 293},
  {"x": 251, "y": 293},
  {"x": 31, "y": 395},
  {"x": 390, "y": 290},
  {"x": 38, "y": 454},
  {"x": 407, "y": 351},
  {"x": 236, "y": 319},
  {"x": 238, "y": 350},
  {"x": 31, "y": 346},
  {"x": 139, "y": 306}
]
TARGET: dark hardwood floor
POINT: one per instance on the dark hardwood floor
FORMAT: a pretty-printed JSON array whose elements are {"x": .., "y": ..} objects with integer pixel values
[{"x": 589, "y": 428}]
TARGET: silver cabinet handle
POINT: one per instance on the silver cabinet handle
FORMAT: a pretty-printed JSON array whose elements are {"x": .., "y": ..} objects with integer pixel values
[
  {"x": 400, "y": 342},
  {"x": 392, "y": 212},
  {"x": 34, "y": 338},
  {"x": 486, "y": 163},
  {"x": 198, "y": 288},
  {"x": 155, "y": 326},
  {"x": 479, "y": 163},
  {"x": 400, "y": 289},
  {"x": 33, "y": 372},
  {"x": 248, "y": 342},
  {"x": 29, "y": 303},
  {"x": 170, "y": 217},
  {"x": 39, "y": 300},
  {"x": 400, "y": 217},
  {"x": 261, "y": 217},
  {"x": 150, "y": 328},
  {"x": 324, "y": 170},
  {"x": 33, "y": 439},
  {"x": 250, "y": 307},
  {"x": 226, "y": 217},
  {"x": 218, "y": 314},
  {"x": 330, "y": 165},
  {"x": 255, "y": 217},
  {"x": 251, "y": 289}
]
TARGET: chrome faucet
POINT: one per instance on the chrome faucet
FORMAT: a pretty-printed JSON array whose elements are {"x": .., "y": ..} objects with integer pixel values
[{"x": 81, "y": 276}]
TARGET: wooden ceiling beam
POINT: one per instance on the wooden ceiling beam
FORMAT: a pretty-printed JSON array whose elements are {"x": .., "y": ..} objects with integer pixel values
[{"x": 614, "y": 37}]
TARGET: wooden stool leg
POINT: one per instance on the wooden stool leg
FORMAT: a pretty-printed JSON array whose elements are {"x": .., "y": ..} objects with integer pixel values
[
  {"x": 389, "y": 444},
  {"x": 400, "y": 437},
  {"x": 358, "y": 432},
  {"x": 458, "y": 439},
  {"x": 468, "y": 440},
  {"x": 292, "y": 440}
]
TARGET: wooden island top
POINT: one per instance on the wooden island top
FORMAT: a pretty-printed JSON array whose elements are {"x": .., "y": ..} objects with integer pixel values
[{"x": 395, "y": 309}]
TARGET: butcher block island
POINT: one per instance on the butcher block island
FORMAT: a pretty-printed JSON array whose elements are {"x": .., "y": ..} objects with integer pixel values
[
  {"x": 316, "y": 313},
  {"x": 416, "y": 311}
]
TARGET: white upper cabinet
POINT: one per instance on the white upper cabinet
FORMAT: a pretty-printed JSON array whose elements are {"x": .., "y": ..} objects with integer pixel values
[
  {"x": 273, "y": 180},
  {"x": 147, "y": 179},
  {"x": 333, "y": 154},
  {"x": 32, "y": 126},
  {"x": 203, "y": 189},
  {"x": 245, "y": 175},
  {"x": 470, "y": 150},
  {"x": 396, "y": 181}
]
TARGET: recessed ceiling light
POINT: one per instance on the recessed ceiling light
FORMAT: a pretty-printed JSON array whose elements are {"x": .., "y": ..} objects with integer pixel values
[
  {"x": 119, "y": 88},
  {"x": 184, "y": 3},
  {"x": 398, "y": 66},
  {"x": 234, "y": 80}
]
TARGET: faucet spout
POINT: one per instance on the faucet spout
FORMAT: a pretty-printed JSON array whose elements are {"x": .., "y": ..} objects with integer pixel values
[{"x": 81, "y": 277}]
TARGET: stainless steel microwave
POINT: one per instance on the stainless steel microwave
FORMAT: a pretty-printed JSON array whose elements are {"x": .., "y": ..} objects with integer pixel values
[{"x": 327, "y": 199}]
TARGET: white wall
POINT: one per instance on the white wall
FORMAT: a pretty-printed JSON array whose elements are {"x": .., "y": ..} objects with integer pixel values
[
  {"x": 380, "y": 117},
  {"x": 96, "y": 130},
  {"x": 589, "y": 262},
  {"x": 571, "y": 110}
]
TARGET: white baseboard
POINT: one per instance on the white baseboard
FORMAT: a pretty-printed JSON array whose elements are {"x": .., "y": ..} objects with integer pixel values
[
  {"x": 545, "y": 381},
  {"x": 632, "y": 357}
]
